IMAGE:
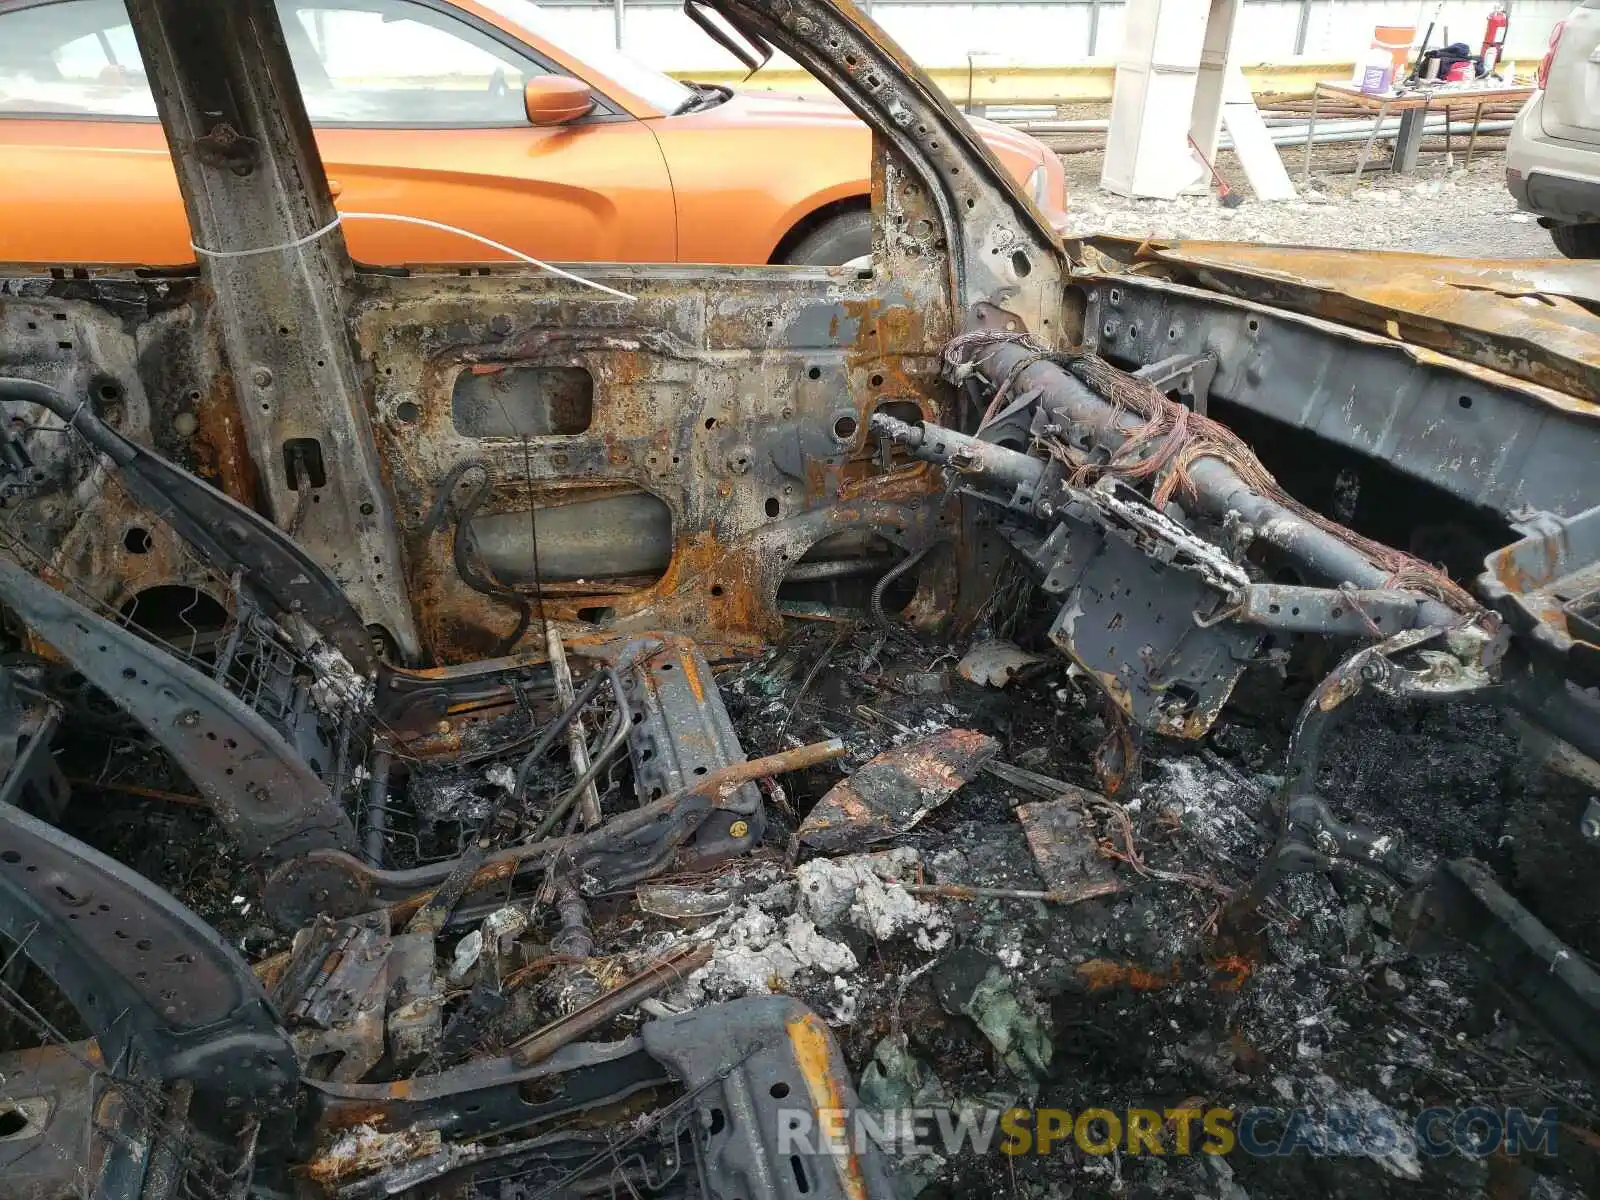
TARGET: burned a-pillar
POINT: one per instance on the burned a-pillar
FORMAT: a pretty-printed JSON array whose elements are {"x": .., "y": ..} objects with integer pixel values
[{"x": 269, "y": 245}]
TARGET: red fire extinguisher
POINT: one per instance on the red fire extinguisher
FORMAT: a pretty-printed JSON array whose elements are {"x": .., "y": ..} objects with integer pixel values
[{"x": 1494, "y": 38}]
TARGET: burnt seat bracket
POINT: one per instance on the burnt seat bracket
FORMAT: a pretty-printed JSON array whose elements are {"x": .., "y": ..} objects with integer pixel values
[{"x": 259, "y": 787}]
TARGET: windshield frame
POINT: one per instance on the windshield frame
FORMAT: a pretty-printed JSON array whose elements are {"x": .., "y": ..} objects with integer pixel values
[{"x": 654, "y": 90}]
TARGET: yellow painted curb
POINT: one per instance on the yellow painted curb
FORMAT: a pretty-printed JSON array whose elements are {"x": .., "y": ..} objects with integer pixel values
[{"x": 985, "y": 84}]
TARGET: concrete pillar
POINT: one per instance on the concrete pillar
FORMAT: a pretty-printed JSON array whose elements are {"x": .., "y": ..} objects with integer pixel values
[{"x": 1169, "y": 85}]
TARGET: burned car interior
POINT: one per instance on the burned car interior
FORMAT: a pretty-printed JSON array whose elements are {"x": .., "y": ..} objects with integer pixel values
[{"x": 421, "y": 586}]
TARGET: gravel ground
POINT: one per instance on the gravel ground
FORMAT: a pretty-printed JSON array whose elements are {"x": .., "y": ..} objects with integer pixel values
[{"x": 1438, "y": 210}]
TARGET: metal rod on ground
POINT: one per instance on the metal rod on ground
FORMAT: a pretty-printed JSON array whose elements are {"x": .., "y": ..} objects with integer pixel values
[
  {"x": 577, "y": 737},
  {"x": 657, "y": 977},
  {"x": 960, "y": 891},
  {"x": 377, "y": 810},
  {"x": 718, "y": 785}
]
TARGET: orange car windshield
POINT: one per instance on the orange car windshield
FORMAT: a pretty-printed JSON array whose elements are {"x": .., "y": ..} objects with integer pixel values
[{"x": 656, "y": 88}]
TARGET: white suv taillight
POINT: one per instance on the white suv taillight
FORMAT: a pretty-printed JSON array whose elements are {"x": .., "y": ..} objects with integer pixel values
[{"x": 1550, "y": 54}]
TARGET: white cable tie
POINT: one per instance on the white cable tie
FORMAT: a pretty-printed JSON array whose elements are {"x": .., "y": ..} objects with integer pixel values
[
  {"x": 294, "y": 245},
  {"x": 423, "y": 221},
  {"x": 493, "y": 245}
]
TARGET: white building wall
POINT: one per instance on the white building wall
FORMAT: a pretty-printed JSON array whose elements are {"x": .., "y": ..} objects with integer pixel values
[{"x": 944, "y": 33}]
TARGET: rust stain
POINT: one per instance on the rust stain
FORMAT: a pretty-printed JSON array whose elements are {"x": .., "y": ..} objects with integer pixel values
[
  {"x": 1100, "y": 973},
  {"x": 1230, "y": 972},
  {"x": 891, "y": 792},
  {"x": 221, "y": 448},
  {"x": 826, "y": 1084}
]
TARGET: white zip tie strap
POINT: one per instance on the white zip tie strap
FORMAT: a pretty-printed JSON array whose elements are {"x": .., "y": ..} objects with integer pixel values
[
  {"x": 294, "y": 245},
  {"x": 423, "y": 221}
]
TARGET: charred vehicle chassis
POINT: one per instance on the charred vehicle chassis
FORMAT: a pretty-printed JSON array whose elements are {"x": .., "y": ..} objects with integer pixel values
[{"x": 405, "y": 500}]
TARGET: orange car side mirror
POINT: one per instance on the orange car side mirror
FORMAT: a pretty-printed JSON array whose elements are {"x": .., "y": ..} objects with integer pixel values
[{"x": 556, "y": 99}]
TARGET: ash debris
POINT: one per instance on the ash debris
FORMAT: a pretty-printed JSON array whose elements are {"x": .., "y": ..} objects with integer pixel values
[
  {"x": 1136, "y": 999},
  {"x": 1029, "y": 940}
]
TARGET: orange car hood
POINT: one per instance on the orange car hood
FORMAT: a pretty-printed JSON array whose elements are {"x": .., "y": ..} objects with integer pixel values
[{"x": 782, "y": 107}]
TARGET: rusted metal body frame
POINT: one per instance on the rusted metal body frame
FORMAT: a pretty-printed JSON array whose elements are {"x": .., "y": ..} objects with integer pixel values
[
  {"x": 1499, "y": 443},
  {"x": 714, "y": 428}
]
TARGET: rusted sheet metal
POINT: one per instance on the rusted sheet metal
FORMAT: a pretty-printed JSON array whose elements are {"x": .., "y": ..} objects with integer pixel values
[
  {"x": 1535, "y": 321},
  {"x": 892, "y": 792},
  {"x": 1065, "y": 849},
  {"x": 742, "y": 415}
]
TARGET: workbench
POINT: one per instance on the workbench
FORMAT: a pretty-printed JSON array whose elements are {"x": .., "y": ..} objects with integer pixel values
[{"x": 1413, "y": 105}]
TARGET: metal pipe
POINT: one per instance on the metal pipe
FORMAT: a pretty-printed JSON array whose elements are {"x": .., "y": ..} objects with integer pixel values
[
  {"x": 577, "y": 738},
  {"x": 978, "y": 461},
  {"x": 482, "y": 871},
  {"x": 836, "y": 568},
  {"x": 1297, "y": 136},
  {"x": 377, "y": 808},
  {"x": 657, "y": 977},
  {"x": 1340, "y": 131}
]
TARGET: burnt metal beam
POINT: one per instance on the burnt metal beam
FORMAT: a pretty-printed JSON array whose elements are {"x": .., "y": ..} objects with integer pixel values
[
  {"x": 1465, "y": 904},
  {"x": 273, "y": 254}
]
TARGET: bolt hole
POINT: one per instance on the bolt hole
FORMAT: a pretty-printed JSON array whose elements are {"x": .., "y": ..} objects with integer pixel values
[
  {"x": 844, "y": 428},
  {"x": 137, "y": 540},
  {"x": 1464, "y": 401},
  {"x": 773, "y": 507},
  {"x": 814, "y": 373}
]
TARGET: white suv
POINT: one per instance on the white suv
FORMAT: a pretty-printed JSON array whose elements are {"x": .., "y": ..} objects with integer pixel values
[{"x": 1553, "y": 156}]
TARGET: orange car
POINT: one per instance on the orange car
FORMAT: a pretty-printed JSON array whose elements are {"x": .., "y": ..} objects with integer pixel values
[{"x": 467, "y": 112}]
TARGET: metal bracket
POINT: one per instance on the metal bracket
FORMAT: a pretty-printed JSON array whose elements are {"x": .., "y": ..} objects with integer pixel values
[
  {"x": 682, "y": 732},
  {"x": 282, "y": 579},
  {"x": 271, "y": 802},
  {"x": 1547, "y": 586},
  {"x": 747, "y": 1062},
  {"x": 1132, "y": 621},
  {"x": 1463, "y": 903},
  {"x": 332, "y": 994},
  {"x": 1189, "y": 375}
]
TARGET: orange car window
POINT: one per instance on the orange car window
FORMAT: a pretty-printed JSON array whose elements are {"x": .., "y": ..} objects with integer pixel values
[
  {"x": 72, "y": 59},
  {"x": 394, "y": 62}
]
